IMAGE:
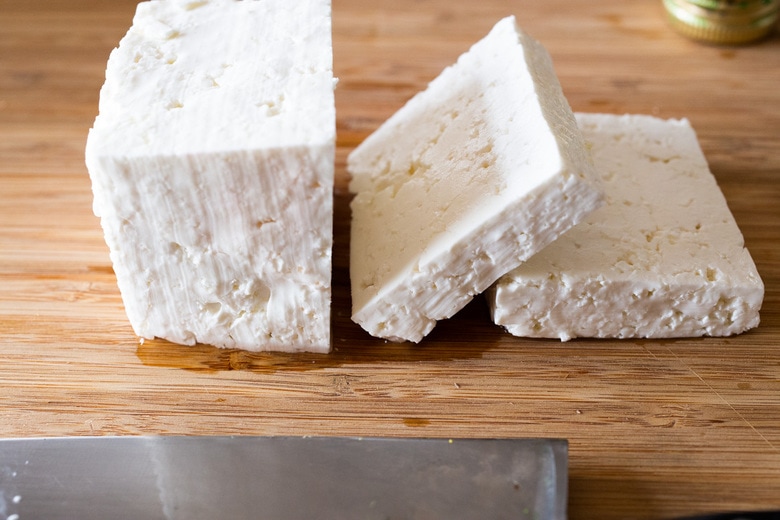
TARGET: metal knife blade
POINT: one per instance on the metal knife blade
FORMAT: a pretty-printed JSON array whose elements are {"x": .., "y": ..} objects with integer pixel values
[{"x": 282, "y": 478}]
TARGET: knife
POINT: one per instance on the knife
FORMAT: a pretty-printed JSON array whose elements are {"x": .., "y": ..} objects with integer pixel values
[
  {"x": 737, "y": 515},
  {"x": 282, "y": 478}
]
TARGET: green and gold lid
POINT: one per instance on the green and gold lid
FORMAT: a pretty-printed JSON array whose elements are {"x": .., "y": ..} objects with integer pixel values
[{"x": 723, "y": 21}]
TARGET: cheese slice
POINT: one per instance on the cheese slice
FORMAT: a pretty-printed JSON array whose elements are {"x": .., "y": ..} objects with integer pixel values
[
  {"x": 212, "y": 163},
  {"x": 664, "y": 258},
  {"x": 472, "y": 176}
]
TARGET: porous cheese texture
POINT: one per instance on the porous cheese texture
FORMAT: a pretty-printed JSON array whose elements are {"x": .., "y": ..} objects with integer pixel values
[
  {"x": 212, "y": 162},
  {"x": 472, "y": 176},
  {"x": 663, "y": 258}
]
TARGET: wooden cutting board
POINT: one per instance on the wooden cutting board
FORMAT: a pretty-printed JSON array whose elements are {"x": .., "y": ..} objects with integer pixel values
[{"x": 656, "y": 428}]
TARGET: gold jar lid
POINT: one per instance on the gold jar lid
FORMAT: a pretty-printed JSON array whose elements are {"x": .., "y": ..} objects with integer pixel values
[{"x": 723, "y": 21}]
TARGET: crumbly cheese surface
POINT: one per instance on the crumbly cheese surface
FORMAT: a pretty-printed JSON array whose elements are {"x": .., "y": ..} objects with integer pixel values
[
  {"x": 664, "y": 257},
  {"x": 472, "y": 176},
  {"x": 212, "y": 162}
]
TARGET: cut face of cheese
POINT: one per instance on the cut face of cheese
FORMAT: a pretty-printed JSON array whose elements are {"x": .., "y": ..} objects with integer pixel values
[
  {"x": 212, "y": 162},
  {"x": 471, "y": 177},
  {"x": 664, "y": 258}
]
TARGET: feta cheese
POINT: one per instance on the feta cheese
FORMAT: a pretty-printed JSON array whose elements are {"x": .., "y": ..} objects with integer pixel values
[
  {"x": 212, "y": 163},
  {"x": 664, "y": 258},
  {"x": 472, "y": 176}
]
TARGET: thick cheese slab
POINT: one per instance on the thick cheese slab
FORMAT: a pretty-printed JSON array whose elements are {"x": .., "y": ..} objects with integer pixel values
[
  {"x": 471, "y": 177},
  {"x": 212, "y": 162},
  {"x": 664, "y": 258}
]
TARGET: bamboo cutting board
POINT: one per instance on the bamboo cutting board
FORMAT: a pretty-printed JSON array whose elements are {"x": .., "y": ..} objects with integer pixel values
[{"x": 656, "y": 428}]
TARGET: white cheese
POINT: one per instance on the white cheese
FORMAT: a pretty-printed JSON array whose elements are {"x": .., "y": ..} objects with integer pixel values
[
  {"x": 212, "y": 162},
  {"x": 472, "y": 176},
  {"x": 664, "y": 257}
]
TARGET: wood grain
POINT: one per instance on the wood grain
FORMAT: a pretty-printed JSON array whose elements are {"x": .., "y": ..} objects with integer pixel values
[{"x": 657, "y": 429}]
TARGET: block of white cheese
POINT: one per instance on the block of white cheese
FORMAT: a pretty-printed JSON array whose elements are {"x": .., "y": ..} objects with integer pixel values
[
  {"x": 468, "y": 179},
  {"x": 212, "y": 163},
  {"x": 663, "y": 258}
]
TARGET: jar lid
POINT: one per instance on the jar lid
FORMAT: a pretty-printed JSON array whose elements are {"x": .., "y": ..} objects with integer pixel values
[{"x": 723, "y": 21}]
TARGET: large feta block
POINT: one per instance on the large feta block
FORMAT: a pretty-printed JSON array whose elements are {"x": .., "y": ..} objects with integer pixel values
[
  {"x": 664, "y": 257},
  {"x": 212, "y": 162},
  {"x": 471, "y": 177}
]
